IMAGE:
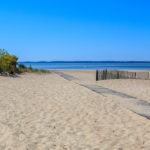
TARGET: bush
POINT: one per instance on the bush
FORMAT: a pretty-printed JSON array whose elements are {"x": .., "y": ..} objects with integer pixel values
[
  {"x": 7, "y": 62},
  {"x": 3, "y": 53},
  {"x": 21, "y": 66}
]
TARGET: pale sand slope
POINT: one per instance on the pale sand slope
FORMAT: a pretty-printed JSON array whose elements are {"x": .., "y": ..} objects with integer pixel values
[
  {"x": 137, "y": 88},
  {"x": 134, "y": 87},
  {"x": 47, "y": 112}
]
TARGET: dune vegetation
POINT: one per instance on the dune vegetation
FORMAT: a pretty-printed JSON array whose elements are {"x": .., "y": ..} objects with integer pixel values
[
  {"x": 22, "y": 68},
  {"x": 10, "y": 66}
]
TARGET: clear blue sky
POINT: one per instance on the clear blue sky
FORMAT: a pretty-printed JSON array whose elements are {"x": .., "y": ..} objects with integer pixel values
[{"x": 76, "y": 29}]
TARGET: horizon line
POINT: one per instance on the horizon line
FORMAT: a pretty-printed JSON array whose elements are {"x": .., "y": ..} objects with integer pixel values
[{"x": 128, "y": 61}]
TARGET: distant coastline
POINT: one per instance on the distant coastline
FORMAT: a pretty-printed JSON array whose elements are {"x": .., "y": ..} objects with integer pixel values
[{"x": 84, "y": 62}]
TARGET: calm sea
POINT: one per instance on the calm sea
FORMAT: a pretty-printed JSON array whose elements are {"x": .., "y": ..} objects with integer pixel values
[{"x": 89, "y": 65}]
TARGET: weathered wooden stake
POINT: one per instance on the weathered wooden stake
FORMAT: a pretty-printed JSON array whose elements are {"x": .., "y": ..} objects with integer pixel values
[{"x": 96, "y": 75}]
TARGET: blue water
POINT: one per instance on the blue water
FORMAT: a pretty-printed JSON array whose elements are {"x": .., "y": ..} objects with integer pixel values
[{"x": 90, "y": 65}]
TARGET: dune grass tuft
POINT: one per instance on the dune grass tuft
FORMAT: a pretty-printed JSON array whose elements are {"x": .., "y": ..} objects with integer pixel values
[{"x": 22, "y": 68}]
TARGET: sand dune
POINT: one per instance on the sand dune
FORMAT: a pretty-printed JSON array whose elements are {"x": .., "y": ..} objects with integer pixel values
[{"x": 47, "y": 112}]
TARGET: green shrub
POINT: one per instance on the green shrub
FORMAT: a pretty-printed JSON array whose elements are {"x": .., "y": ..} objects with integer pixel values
[
  {"x": 21, "y": 66},
  {"x": 3, "y": 53},
  {"x": 7, "y": 62}
]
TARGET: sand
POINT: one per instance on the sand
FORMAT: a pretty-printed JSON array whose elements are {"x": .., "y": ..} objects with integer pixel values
[
  {"x": 47, "y": 112},
  {"x": 135, "y": 87}
]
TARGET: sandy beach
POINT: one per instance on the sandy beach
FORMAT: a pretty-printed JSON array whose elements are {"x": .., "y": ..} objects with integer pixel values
[
  {"x": 47, "y": 112},
  {"x": 138, "y": 88}
]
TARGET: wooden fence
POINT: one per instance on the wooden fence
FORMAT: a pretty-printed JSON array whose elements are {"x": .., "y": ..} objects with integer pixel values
[{"x": 116, "y": 74}]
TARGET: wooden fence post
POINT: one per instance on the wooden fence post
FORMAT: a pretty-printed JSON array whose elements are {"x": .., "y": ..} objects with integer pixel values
[{"x": 96, "y": 75}]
